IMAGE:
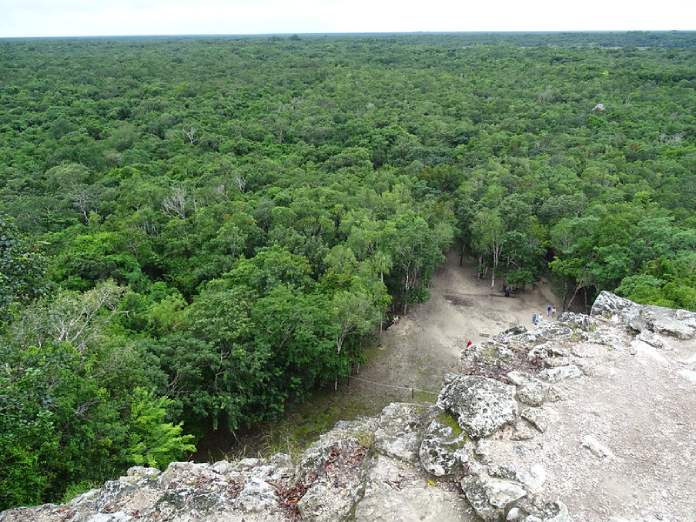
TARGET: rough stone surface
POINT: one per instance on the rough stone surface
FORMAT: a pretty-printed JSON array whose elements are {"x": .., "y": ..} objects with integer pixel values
[
  {"x": 332, "y": 471},
  {"x": 491, "y": 496},
  {"x": 581, "y": 321},
  {"x": 401, "y": 429},
  {"x": 561, "y": 373},
  {"x": 606, "y": 436},
  {"x": 650, "y": 338},
  {"x": 530, "y": 391},
  {"x": 481, "y": 405},
  {"x": 654, "y": 319},
  {"x": 444, "y": 449},
  {"x": 536, "y": 418},
  {"x": 396, "y": 492},
  {"x": 534, "y": 510}
]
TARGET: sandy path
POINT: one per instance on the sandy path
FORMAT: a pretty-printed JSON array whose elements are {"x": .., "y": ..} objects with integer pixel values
[
  {"x": 420, "y": 348},
  {"x": 416, "y": 352}
]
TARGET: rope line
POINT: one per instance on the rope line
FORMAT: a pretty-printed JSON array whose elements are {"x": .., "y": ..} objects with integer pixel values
[{"x": 407, "y": 388}]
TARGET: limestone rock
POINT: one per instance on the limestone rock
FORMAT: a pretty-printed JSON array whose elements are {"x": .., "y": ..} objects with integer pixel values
[
  {"x": 514, "y": 330},
  {"x": 533, "y": 393},
  {"x": 537, "y": 511},
  {"x": 651, "y": 339},
  {"x": 523, "y": 430},
  {"x": 445, "y": 447},
  {"x": 669, "y": 325},
  {"x": 491, "y": 496},
  {"x": 400, "y": 430},
  {"x": 489, "y": 353},
  {"x": 256, "y": 496},
  {"x": 581, "y": 321},
  {"x": 536, "y": 417},
  {"x": 675, "y": 323},
  {"x": 530, "y": 390},
  {"x": 533, "y": 478},
  {"x": 534, "y": 510},
  {"x": 611, "y": 306},
  {"x": 547, "y": 351},
  {"x": 553, "y": 331},
  {"x": 689, "y": 375},
  {"x": 396, "y": 493},
  {"x": 141, "y": 471},
  {"x": 481, "y": 405},
  {"x": 333, "y": 471},
  {"x": 596, "y": 448},
  {"x": 561, "y": 373}
]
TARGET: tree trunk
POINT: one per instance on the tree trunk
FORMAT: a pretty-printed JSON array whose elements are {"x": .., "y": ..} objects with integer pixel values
[
  {"x": 496, "y": 260},
  {"x": 585, "y": 295},
  {"x": 575, "y": 292},
  {"x": 406, "y": 289}
]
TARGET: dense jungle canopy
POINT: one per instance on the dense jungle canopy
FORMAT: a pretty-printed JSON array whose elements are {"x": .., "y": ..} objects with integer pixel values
[{"x": 195, "y": 231}]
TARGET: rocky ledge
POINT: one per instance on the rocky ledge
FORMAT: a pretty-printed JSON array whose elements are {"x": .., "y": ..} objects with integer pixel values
[{"x": 526, "y": 432}]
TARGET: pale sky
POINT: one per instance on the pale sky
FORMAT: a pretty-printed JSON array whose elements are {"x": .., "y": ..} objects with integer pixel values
[{"x": 156, "y": 17}]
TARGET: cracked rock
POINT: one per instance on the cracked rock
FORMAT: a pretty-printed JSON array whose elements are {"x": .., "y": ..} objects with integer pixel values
[
  {"x": 530, "y": 391},
  {"x": 561, "y": 373},
  {"x": 400, "y": 430},
  {"x": 491, "y": 496},
  {"x": 536, "y": 417},
  {"x": 481, "y": 405},
  {"x": 445, "y": 447}
]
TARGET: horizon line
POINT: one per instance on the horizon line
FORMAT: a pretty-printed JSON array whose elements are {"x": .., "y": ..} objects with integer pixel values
[{"x": 349, "y": 33}]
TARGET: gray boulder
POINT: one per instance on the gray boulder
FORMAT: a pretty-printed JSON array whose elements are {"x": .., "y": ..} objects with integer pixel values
[
  {"x": 530, "y": 390},
  {"x": 332, "y": 471},
  {"x": 445, "y": 447},
  {"x": 561, "y": 373},
  {"x": 640, "y": 318},
  {"x": 651, "y": 339},
  {"x": 480, "y": 405},
  {"x": 536, "y": 417},
  {"x": 492, "y": 497},
  {"x": 667, "y": 324},
  {"x": 400, "y": 429},
  {"x": 581, "y": 321},
  {"x": 532, "y": 509}
]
